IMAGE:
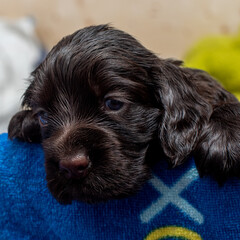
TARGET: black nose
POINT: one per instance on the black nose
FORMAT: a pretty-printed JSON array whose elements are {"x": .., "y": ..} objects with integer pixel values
[{"x": 75, "y": 167}]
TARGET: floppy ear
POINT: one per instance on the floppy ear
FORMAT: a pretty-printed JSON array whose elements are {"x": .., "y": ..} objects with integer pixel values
[
  {"x": 185, "y": 112},
  {"x": 218, "y": 150},
  {"x": 24, "y": 125}
]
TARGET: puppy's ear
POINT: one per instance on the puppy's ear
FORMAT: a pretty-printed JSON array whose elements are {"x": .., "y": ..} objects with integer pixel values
[
  {"x": 184, "y": 111},
  {"x": 24, "y": 126},
  {"x": 218, "y": 150}
]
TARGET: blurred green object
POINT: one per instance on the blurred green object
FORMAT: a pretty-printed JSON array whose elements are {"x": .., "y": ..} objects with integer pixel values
[{"x": 220, "y": 57}]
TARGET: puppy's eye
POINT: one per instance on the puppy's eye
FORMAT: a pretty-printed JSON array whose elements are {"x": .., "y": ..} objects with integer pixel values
[
  {"x": 43, "y": 118},
  {"x": 113, "y": 105}
]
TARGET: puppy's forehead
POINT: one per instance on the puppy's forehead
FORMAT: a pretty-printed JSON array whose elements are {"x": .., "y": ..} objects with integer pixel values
[{"x": 94, "y": 61}]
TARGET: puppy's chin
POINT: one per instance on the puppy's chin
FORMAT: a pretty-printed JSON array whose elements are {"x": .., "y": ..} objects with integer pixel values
[{"x": 94, "y": 187}]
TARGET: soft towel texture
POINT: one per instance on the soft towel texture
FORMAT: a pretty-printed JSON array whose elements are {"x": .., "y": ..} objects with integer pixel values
[{"x": 173, "y": 204}]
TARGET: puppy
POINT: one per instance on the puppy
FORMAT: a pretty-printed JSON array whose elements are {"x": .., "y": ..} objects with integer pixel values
[{"x": 102, "y": 105}]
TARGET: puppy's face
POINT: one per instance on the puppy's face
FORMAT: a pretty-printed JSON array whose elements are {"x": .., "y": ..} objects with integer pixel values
[
  {"x": 97, "y": 117},
  {"x": 101, "y": 102}
]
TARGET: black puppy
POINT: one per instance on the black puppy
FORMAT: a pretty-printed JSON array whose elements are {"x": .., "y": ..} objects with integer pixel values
[{"x": 101, "y": 103}]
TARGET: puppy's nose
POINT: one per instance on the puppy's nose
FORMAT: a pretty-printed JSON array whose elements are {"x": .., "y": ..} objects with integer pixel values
[{"x": 75, "y": 167}]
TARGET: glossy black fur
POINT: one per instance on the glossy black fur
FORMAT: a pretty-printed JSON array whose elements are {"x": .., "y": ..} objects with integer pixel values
[{"x": 167, "y": 108}]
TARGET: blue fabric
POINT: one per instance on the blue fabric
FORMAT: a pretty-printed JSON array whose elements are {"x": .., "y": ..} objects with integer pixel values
[{"x": 174, "y": 204}]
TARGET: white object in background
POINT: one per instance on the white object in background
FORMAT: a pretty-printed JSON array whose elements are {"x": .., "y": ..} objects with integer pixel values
[{"x": 20, "y": 52}]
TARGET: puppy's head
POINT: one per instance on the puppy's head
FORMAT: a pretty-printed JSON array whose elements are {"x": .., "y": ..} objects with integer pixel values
[
  {"x": 99, "y": 102},
  {"x": 97, "y": 114}
]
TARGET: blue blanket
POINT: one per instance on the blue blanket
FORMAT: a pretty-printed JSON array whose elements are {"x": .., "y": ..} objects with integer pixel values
[{"x": 174, "y": 204}]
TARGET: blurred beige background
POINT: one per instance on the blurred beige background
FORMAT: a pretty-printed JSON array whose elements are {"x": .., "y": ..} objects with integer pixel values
[{"x": 168, "y": 27}]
